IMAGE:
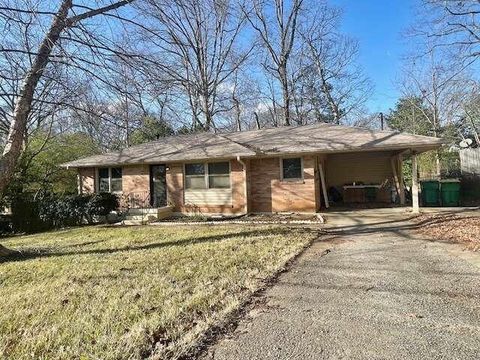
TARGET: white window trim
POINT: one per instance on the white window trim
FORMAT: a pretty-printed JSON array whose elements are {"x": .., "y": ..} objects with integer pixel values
[
  {"x": 300, "y": 179},
  {"x": 206, "y": 175},
  {"x": 97, "y": 180}
]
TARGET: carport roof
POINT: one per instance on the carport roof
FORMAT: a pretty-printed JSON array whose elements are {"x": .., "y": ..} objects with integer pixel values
[{"x": 315, "y": 138}]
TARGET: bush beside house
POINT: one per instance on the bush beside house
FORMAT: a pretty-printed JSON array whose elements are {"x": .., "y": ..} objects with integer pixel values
[{"x": 51, "y": 211}]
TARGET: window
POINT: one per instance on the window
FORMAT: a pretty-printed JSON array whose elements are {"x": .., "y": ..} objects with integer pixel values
[
  {"x": 110, "y": 180},
  {"x": 195, "y": 176},
  {"x": 116, "y": 180},
  {"x": 207, "y": 176},
  {"x": 292, "y": 169},
  {"x": 219, "y": 175},
  {"x": 103, "y": 180}
]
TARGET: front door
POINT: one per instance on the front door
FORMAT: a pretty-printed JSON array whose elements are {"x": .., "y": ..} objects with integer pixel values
[{"x": 158, "y": 185}]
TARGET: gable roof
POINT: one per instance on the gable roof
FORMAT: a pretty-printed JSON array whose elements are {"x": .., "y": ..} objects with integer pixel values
[{"x": 315, "y": 138}]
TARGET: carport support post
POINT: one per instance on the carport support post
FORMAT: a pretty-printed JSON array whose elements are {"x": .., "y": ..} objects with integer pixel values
[
  {"x": 396, "y": 162},
  {"x": 415, "y": 200},
  {"x": 400, "y": 179},
  {"x": 324, "y": 186}
]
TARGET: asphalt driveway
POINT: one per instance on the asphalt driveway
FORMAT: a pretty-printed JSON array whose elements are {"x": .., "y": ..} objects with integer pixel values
[{"x": 379, "y": 293}]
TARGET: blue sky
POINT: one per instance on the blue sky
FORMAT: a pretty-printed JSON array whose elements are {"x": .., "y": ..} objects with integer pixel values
[{"x": 378, "y": 25}]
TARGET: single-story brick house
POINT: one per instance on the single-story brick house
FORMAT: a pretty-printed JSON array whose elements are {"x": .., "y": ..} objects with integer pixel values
[{"x": 284, "y": 169}]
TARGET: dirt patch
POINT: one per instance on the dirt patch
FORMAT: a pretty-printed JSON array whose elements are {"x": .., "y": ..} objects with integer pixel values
[{"x": 463, "y": 229}]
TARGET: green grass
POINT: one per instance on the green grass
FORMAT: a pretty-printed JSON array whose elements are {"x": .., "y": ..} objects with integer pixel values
[{"x": 128, "y": 292}]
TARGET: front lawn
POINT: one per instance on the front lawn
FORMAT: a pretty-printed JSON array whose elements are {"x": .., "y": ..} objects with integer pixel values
[{"x": 130, "y": 292}]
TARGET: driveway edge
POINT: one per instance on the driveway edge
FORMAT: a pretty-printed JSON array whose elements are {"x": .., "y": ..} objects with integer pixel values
[{"x": 232, "y": 320}]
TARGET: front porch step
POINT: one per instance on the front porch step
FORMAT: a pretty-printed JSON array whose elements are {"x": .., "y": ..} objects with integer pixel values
[
  {"x": 144, "y": 211},
  {"x": 142, "y": 217},
  {"x": 147, "y": 215},
  {"x": 133, "y": 222},
  {"x": 134, "y": 217}
]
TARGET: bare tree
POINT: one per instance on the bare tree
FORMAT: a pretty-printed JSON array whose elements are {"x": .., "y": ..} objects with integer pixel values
[
  {"x": 55, "y": 88},
  {"x": 237, "y": 107},
  {"x": 244, "y": 95},
  {"x": 441, "y": 85},
  {"x": 469, "y": 119},
  {"x": 332, "y": 65},
  {"x": 64, "y": 26},
  {"x": 276, "y": 23},
  {"x": 197, "y": 41},
  {"x": 450, "y": 30},
  {"x": 452, "y": 25}
]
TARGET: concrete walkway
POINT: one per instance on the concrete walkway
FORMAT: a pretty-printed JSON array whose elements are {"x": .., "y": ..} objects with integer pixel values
[{"x": 379, "y": 293}]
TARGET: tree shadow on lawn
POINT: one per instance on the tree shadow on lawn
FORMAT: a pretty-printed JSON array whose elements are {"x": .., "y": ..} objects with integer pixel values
[{"x": 34, "y": 253}]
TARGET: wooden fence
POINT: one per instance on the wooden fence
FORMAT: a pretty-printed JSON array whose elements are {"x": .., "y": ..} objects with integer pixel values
[{"x": 470, "y": 161}]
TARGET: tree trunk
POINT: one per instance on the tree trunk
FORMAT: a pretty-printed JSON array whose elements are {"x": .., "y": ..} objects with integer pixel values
[
  {"x": 286, "y": 109},
  {"x": 257, "y": 121},
  {"x": 476, "y": 134},
  {"x": 6, "y": 252},
  {"x": 415, "y": 190},
  {"x": 205, "y": 103},
  {"x": 238, "y": 113},
  {"x": 23, "y": 106},
  {"x": 326, "y": 91},
  {"x": 208, "y": 120},
  {"x": 286, "y": 95},
  {"x": 438, "y": 166}
]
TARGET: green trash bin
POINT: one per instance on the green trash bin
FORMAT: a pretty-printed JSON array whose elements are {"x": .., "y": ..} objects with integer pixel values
[
  {"x": 450, "y": 190},
  {"x": 430, "y": 193}
]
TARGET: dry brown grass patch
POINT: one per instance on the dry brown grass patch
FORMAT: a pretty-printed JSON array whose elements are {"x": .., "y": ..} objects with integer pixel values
[{"x": 130, "y": 292}]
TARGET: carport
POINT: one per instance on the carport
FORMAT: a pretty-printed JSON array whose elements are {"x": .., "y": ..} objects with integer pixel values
[{"x": 372, "y": 178}]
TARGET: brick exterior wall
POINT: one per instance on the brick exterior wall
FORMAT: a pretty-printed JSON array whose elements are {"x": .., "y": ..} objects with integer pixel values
[
  {"x": 136, "y": 179},
  {"x": 136, "y": 186},
  {"x": 268, "y": 193},
  {"x": 87, "y": 180},
  {"x": 239, "y": 187},
  {"x": 174, "y": 179}
]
